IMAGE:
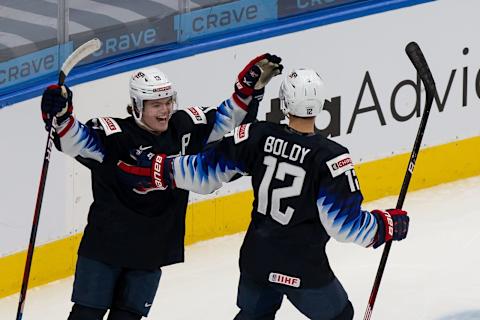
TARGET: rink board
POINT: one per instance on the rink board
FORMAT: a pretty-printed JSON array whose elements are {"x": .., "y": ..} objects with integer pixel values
[{"x": 373, "y": 92}]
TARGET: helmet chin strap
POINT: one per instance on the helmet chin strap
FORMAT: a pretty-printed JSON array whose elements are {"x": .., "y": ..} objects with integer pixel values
[
  {"x": 137, "y": 115},
  {"x": 142, "y": 125}
]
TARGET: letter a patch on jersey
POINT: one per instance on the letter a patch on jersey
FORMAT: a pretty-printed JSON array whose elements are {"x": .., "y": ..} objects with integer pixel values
[
  {"x": 109, "y": 125},
  {"x": 241, "y": 133},
  {"x": 340, "y": 164}
]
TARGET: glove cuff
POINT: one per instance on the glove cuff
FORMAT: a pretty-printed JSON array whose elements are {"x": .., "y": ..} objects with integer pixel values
[
  {"x": 63, "y": 115},
  {"x": 157, "y": 171},
  {"x": 242, "y": 90},
  {"x": 241, "y": 102},
  {"x": 385, "y": 227}
]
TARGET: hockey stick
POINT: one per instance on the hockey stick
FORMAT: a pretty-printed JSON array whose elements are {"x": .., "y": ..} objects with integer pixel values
[
  {"x": 80, "y": 53},
  {"x": 416, "y": 56}
]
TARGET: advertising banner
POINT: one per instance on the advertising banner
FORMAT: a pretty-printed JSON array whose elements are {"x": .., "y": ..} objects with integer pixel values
[
  {"x": 224, "y": 17},
  {"x": 125, "y": 38},
  {"x": 33, "y": 65},
  {"x": 289, "y": 8}
]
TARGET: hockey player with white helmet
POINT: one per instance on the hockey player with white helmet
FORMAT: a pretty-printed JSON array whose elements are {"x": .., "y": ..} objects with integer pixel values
[
  {"x": 302, "y": 94},
  {"x": 150, "y": 84},
  {"x": 135, "y": 226},
  {"x": 305, "y": 191}
]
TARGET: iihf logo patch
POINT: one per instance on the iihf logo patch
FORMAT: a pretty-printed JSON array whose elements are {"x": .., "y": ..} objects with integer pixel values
[{"x": 283, "y": 279}]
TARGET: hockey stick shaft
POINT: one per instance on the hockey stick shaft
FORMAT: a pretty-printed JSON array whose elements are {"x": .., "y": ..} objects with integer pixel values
[
  {"x": 36, "y": 218},
  {"x": 416, "y": 56},
  {"x": 80, "y": 53}
]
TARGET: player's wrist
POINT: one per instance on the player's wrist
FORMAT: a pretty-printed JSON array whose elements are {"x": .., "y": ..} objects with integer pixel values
[{"x": 381, "y": 236}]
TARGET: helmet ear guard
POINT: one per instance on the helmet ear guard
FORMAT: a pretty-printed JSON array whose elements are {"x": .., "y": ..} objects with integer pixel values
[
  {"x": 136, "y": 111},
  {"x": 302, "y": 93}
]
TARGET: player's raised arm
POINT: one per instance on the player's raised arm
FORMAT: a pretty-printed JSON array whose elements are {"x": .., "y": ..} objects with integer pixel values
[
  {"x": 72, "y": 137},
  {"x": 248, "y": 92}
]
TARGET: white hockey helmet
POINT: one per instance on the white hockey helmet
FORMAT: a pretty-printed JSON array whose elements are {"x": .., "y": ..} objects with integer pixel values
[
  {"x": 149, "y": 84},
  {"x": 302, "y": 93}
]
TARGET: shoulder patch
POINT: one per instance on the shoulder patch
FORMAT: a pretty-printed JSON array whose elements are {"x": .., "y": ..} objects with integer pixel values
[
  {"x": 340, "y": 164},
  {"x": 197, "y": 115},
  {"x": 109, "y": 125},
  {"x": 241, "y": 133}
]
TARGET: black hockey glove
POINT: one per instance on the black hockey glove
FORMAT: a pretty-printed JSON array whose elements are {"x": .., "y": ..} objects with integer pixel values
[
  {"x": 392, "y": 225},
  {"x": 55, "y": 104},
  {"x": 252, "y": 80},
  {"x": 148, "y": 174}
]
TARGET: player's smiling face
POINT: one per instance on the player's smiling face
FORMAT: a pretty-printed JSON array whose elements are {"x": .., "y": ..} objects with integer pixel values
[{"x": 156, "y": 114}]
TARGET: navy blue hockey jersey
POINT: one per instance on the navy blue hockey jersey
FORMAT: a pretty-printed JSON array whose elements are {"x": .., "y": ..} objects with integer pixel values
[
  {"x": 305, "y": 191},
  {"x": 128, "y": 228}
]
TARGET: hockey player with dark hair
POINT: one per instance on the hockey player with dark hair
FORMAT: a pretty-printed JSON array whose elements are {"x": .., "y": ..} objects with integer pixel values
[
  {"x": 132, "y": 232},
  {"x": 305, "y": 191}
]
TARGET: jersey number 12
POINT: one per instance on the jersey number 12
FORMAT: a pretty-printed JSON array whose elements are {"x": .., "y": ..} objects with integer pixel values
[{"x": 278, "y": 194}]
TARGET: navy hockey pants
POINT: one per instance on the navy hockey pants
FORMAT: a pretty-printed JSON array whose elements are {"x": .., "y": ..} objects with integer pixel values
[
  {"x": 260, "y": 301},
  {"x": 102, "y": 286}
]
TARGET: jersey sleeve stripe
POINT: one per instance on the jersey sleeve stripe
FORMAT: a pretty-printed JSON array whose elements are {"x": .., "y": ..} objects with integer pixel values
[
  {"x": 138, "y": 171},
  {"x": 79, "y": 140},
  {"x": 70, "y": 123},
  {"x": 344, "y": 220},
  {"x": 229, "y": 114},
  {"x": 202, "y": 173},
  {"x": 239, "y": 102}
]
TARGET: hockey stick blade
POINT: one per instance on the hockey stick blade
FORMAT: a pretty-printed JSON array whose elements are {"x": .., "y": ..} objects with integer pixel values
[
  {"x": 76, "y": 56},
  {"x": 418, "y": 60}
]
